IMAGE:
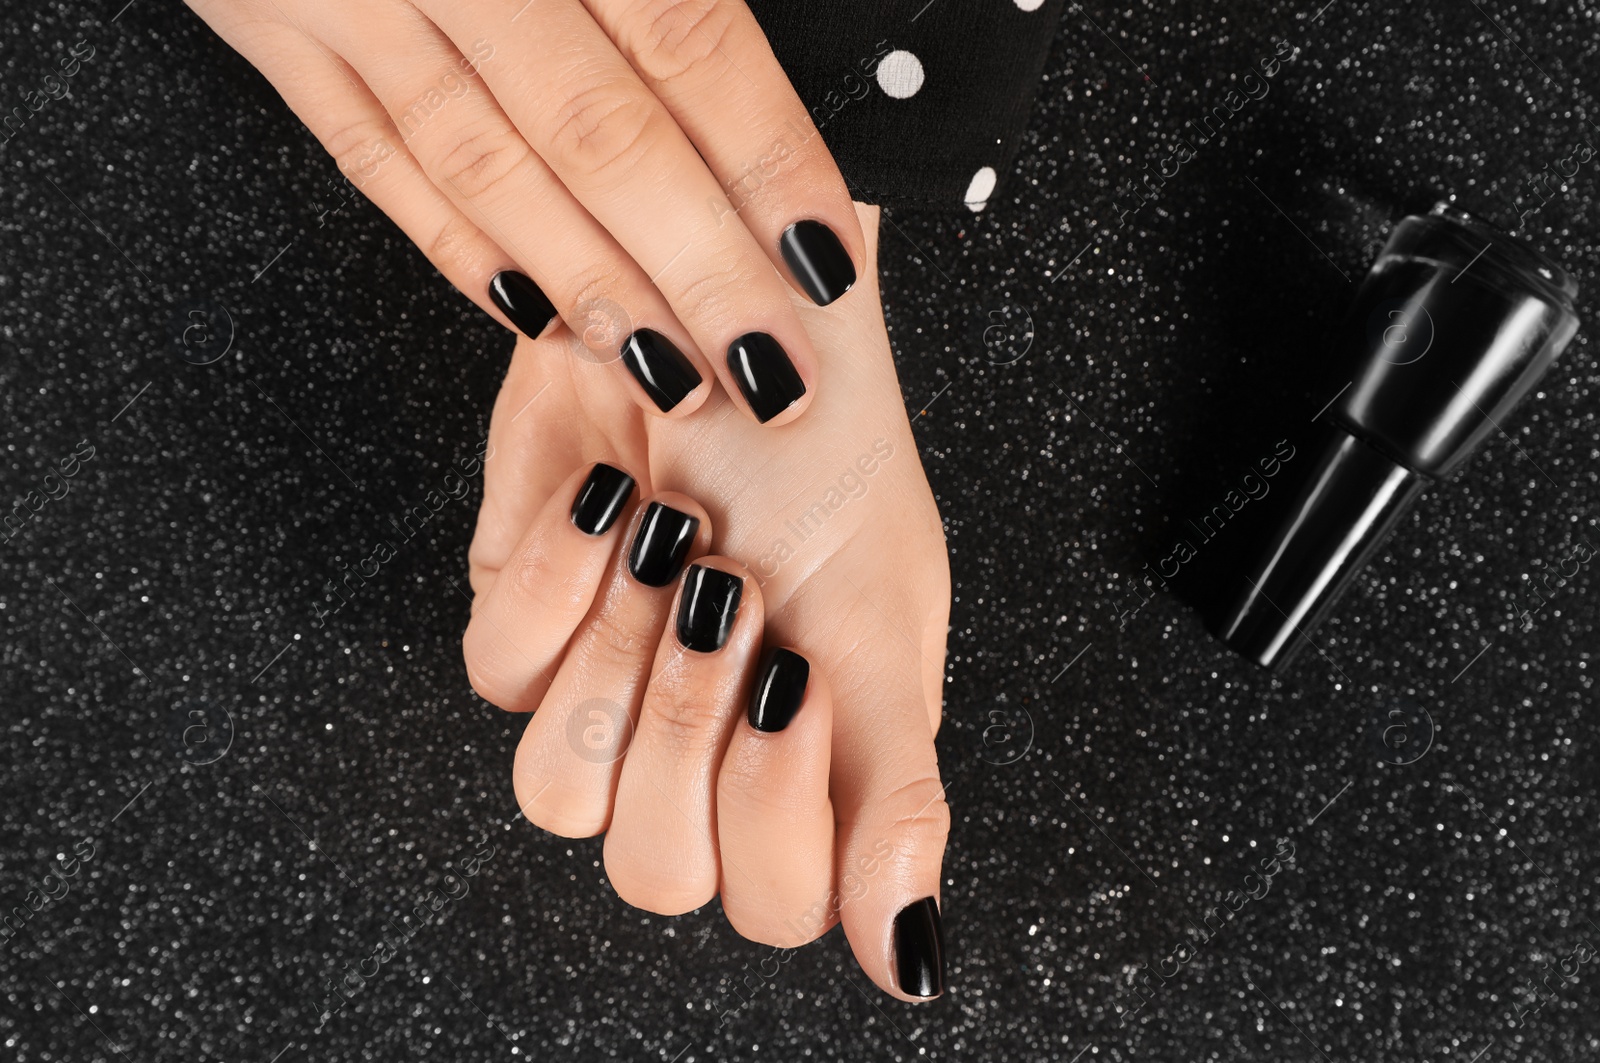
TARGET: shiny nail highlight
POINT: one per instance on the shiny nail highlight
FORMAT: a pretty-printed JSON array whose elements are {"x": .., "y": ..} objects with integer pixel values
[
  {"x": 919, "y": 949},
  {"x": 765, "y": 375},
  {"x": 665, "y": 373},
  {"x": 519, "y": 299},
  {"x": 662, "y": 545},
  {"x": 601, "y": 499},
  {"x": 818, "y": 260},
  {"x": 708, "y": 608},
  {"x": 780, "y": 689}
]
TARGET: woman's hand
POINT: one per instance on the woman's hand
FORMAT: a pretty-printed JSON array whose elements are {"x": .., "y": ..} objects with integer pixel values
[{"x": 635, "y": 167}]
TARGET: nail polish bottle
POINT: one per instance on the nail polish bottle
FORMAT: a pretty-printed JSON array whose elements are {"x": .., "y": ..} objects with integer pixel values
[{"x": 1454, "y": 324}]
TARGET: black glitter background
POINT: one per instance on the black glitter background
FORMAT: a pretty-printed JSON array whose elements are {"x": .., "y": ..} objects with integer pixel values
[{"x": 1088, "y": 388}]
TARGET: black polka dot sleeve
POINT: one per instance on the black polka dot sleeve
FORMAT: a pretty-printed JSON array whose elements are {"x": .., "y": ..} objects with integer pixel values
[{"x": 921, "y": 103}]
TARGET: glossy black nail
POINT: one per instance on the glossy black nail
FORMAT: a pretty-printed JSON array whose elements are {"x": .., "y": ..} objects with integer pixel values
[
  {"x": 708, "y": 608},
  {"x": 769, "y": 381},
  {"x": 664, "y": 372},
  {"x": 662, "y": 545},
  {"x": 818, "y": 260},
  {"x": 521, "y": 300},
  {"x": 601, "y": 499},
  {"x": 919, "y": 949},
  {"x": 780, "y": 688}
]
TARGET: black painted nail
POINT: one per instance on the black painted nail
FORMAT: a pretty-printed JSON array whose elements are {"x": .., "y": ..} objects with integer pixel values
[
  {"x": 767, "y": 378},
  {"x": 662, "y": 545},
  {"x": 780, "y": 688},
  {"x": 601, "y": 499},
  {"x": 708, "y": 608},
  {"x": 666, "y": 375},
  {"x": 919, "y": 949},
  {"x": 521, "y": 300},
  {"x": 818, "y": 260}
]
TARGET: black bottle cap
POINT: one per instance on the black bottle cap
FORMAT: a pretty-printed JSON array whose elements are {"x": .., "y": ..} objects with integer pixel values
[{"x": 1452, "y": 327}]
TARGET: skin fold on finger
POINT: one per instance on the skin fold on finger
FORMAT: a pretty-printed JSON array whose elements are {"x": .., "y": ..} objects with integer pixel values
[
  {"x": 774, "y": 817},
  {"x": 618, "y": 150},
  {"x": 565, "y": 262},
  {"x": 709, "y": 62},
  {"x": 661, "y": 853},
  {"x": 519, "y": 631},
  {"x": 569, "y": 759}
]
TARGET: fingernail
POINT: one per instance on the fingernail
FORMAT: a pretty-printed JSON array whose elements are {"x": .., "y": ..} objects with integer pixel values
[
  {"x": 818, "y": 260},
  {"x": 664, "y": 372},
  {"x": 768, "y": 380},
  {"x": 708, "y": 608},
  {"x": 601, "y": 499},
  {"x": 521, "y": 300},
  {"x": 780, "y": 688},
  {"x": 662, "y": 545},
  {"x": 919, "y": 949}
]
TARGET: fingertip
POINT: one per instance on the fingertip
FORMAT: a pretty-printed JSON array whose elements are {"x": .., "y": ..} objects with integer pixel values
[
  {"x": 791, "y": 413},
  {"x": 521, "y": 303},
  {"x": 690, "y": 404},
  {"x": 919, "y": 951},
  {"x": 867, "y": 215},
  {"x": 601, "y": 498},
  {"x": 775, "y": 379},
  {"x": 655, "y": 882},
  {"x": 667, "y": 381},
  {"x": 785, "y": 683},
  {"x": 821, "y": 263},
  {"x": 669, "y": 531}
]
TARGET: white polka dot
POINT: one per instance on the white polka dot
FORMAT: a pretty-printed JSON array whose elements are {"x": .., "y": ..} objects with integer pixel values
[
  {"x": 978, "y": 191},
  {"x": 900, "y": 74},
  {"x": 1030, "y": 5}
]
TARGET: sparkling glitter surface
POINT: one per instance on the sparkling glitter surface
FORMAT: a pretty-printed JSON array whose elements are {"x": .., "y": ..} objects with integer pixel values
[{"x": 1085, "y": 378}]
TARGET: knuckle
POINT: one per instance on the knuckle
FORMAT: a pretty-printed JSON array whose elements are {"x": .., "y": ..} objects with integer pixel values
[
  {"x": 681, "y": 37},
  {"x": 616, "y": 643},
  {"x": 477, "y": 162},
  {"x": 745, "y": 783},
  {"x": 595, "y": 286},
  {"x": 541, "y": 590},
  {"x": 741, "y": 781},
  {"x": 685, "y": 714},
  {"x": 357, "y": 146},
  {"x": 455, "y": 241},
  {"x": 717, "y": 294},
  {"x": 597, "y": 312},
  {"x": 912, "y": 817},
  {"x": 602, "y": 125}
]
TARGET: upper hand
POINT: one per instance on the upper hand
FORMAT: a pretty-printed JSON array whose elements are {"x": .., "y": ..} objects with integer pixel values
[{"x": 644, "y": 162}]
